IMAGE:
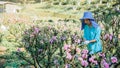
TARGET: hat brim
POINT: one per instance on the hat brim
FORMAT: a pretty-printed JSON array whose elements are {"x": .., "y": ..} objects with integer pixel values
[
  {"x": 94, "y": 24},
  {"x": 86, "y": 18}
]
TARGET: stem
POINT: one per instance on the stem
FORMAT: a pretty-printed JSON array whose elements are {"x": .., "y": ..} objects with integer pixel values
[
  {"x": 49, "y": 56},
  {"x": 34, "y": 55},
  {"x": 61, "y": 53},
  {"x": 37, "y": 62},
  {"x": 25, "y": 59}
]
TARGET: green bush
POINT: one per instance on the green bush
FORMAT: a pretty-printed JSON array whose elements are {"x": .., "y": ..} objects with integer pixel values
[{"x": 56, "y": 3}]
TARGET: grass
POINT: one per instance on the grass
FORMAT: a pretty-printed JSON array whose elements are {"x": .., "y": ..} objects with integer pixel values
[{"x": 47, "y": 10}]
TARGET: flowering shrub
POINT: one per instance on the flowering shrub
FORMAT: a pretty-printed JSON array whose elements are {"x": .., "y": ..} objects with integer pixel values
[
  {"x": 57, "y": 45},
  {"x": 49, "y": 47},
  {"x": 86, "y": 60},
  {"x": 45, "y": 44}
]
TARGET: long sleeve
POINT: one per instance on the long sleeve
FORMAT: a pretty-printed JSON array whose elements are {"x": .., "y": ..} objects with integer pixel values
[
  {"x": 98, "y": 32},
  {"x": 85, "y": 33},
  {"x": 84, "y": 36}
]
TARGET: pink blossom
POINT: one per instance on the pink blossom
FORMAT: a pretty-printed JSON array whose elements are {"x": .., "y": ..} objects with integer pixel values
[
  {"x": 51, "y": 41},
  {"x": 66, "y": 66},
  {"x": 36, "y": 29},
  {"x": 110, "y": 36},
  {"x": 84, "y": 51},
  {"x": 84, "y": 63},
  {"x": 84, "y": 56},
  {"x": 95, "y": 62},
  {"x": 91, "y": 59},
  {"x": 106, "y": 65},
  {"x": 66, "y": 47},
  {"x": 101, "y": 54},
  {"x": 103, "y": 61},
  {"x": 68, "y": 50},
  {"x": 69, "y": 56},
  {"x": 54, "y": 38},
  {"x": 80, "y": 59},
  {"x": 114, "y": 59},
  {"x": 78, "y": 50},
  {"x": 106, "y": 36},
  {"x": 77, "y": 40}
]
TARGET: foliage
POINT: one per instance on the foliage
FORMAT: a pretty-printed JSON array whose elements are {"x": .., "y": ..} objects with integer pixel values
[
  {"x": 43, "y": 45},
  {"x": 46, "y": 45}
]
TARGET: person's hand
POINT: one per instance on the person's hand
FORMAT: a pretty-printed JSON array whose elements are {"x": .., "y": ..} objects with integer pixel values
[{"x": 86, "y": 42}]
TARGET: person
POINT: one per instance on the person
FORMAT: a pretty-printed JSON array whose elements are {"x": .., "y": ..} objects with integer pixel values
[{"x": 92, "y": 32}]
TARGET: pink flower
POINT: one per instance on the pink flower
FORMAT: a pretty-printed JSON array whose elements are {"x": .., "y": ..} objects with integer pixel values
[
  {"x": 101, "y": 54},
  {"x": 106, "y": 36},
  {"x": 95, "y": 62},
  {"x": 36, "y": 29},
  {"x": 69, "y": 56},
  {"x": 68, "y": 50},
  {"x": 106, "y": 65},
  {"x": 92, "y": 59},
  {"x": 54, "y": 38},
  {"x": 51, "y": 41},
  {"x": 78, "y": 50},
  {"x": 80, "y": 59},
  {"x": 103, "y": 61},
  {"x": 77, "y": 40},
  {"x": 114, "y": 59},
  {"x": 84, "y": 63},
  {"x": 110, "y": 36},
  {"x": 66, "y": 47},
  {"x": 84, "y": 56},
  {"x": 84, "y": 51}
]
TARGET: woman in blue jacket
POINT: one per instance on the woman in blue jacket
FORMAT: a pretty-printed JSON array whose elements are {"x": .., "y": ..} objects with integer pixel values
[{"x": 92, "y": 33}]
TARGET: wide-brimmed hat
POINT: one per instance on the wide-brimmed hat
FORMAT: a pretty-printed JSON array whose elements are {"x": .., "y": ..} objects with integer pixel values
[{"x": 88, "y": 15}]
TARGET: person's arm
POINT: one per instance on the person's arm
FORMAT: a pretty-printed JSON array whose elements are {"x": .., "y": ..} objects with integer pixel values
[
  {"x": 91, "y": 41},
  {"x": 97, "y": 37}
]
